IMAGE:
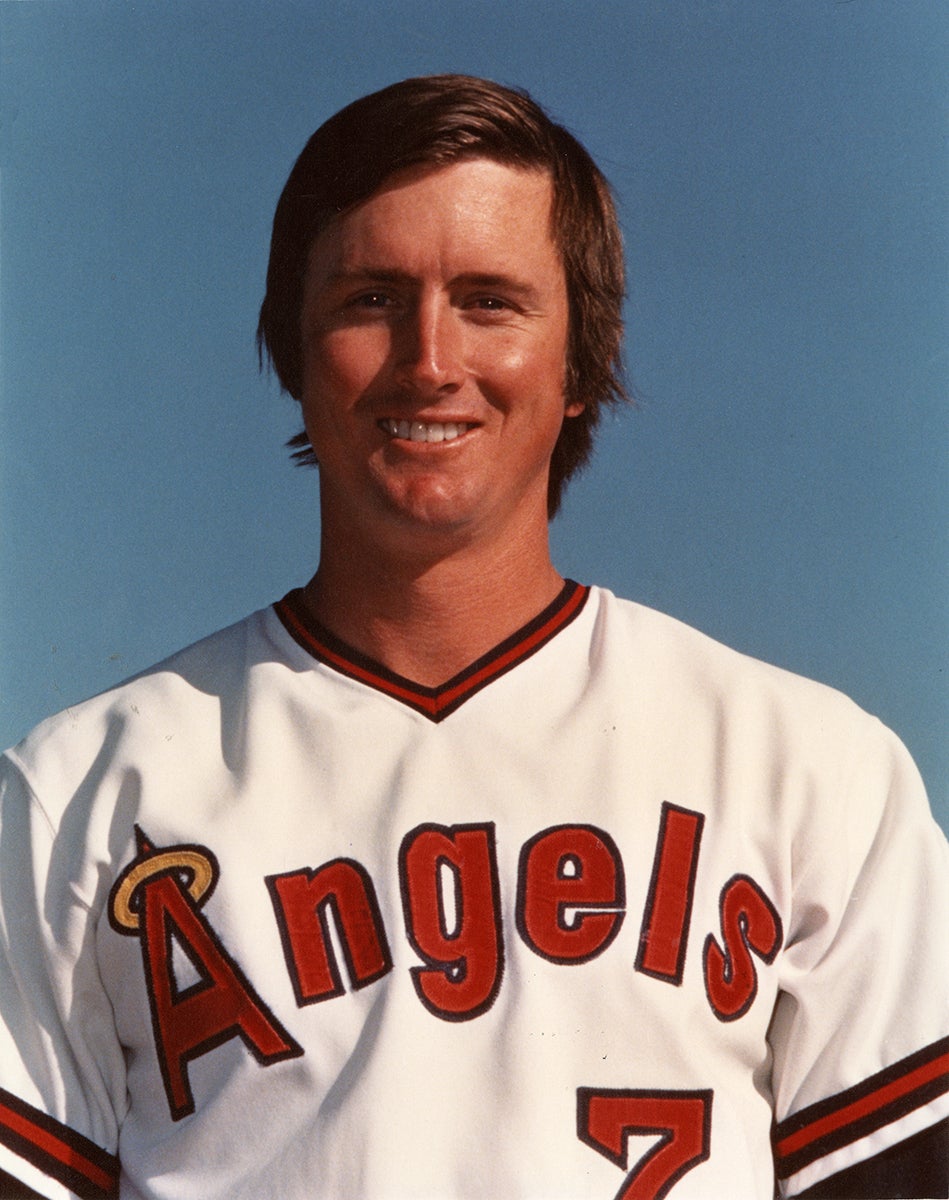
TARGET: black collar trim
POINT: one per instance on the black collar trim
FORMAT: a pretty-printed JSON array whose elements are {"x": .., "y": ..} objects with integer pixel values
[{"x": 436, "y": 703}]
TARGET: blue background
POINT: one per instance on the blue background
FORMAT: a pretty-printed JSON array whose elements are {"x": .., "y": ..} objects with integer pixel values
[{"x": 782, "y": 172}]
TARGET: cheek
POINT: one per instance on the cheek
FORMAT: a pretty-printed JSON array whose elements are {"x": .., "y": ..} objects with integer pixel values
[
  {"x": 333, "y": 360},
  {"x": 338, "y": 369},
  {"x": 535, "y": 371}
]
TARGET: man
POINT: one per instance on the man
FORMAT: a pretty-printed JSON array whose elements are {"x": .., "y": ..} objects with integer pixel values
[{"x": 446, "y": 877}]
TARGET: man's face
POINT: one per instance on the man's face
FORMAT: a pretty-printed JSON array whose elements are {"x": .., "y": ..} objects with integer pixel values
[{"x": 434, "y": 346}]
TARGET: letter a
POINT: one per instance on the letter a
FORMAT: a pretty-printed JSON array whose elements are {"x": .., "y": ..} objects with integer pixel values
[{"x": 157, "y": 897}]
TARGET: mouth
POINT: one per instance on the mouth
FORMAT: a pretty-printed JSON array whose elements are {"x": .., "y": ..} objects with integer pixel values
[{"x": 424, "y": 431}]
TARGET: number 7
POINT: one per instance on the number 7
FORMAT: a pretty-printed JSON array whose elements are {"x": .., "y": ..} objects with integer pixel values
[{"x": 683, "y": 1121}]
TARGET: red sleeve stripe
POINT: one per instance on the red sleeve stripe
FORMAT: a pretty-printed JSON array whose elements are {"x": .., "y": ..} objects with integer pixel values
[
  {"x": 851, "y": 1115},
  {"x": 438, "y": 702},
  {"x": 59, "y": 1151}
]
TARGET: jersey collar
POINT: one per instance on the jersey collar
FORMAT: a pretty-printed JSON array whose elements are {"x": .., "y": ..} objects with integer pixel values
[{"x": 436, "y": 703}]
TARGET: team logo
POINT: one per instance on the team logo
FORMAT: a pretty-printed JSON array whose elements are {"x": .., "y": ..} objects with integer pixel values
[
  {"x": 570, "y": 904},
  {"x": 158, "y": 899}
]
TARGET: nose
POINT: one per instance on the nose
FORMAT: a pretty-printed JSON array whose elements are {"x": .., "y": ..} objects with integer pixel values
[{"x": 429, "y": 350}]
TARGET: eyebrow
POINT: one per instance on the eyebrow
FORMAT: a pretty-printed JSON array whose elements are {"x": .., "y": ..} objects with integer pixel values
[
  {"x": 506, "y": 283},
  {"x": 370, "y": 274},
  {"x": 374, "y": 274}
]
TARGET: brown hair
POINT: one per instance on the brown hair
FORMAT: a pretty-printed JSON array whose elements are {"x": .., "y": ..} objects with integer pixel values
[{"x": 442, "y": 119}]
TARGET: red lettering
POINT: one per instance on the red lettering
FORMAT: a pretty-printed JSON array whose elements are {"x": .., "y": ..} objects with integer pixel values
[
  {"x": 221, "y": 1005},
  {"x": 303, "y": 901},
  {"x": 451, "y": 899},
  {"x": 664, "y": 936},
  {"x": 570, "y": 893},
  {"x": 750, "y": 923},
  {"x": 683, "y": 1121}
]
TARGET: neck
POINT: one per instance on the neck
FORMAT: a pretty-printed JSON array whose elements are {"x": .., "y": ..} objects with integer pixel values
[{"x": 430, "y": 618}]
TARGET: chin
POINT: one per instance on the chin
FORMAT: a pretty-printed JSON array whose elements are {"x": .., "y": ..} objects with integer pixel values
[
  {"x": 435, "y": 507},
  {"x": 447, "y": 520}
]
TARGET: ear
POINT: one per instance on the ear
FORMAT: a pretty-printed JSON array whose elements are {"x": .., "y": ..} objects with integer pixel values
[{"x": 574, "y": 408}]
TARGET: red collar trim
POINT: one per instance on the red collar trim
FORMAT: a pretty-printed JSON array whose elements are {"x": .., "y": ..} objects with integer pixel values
[{"x": 438, "y": 702}]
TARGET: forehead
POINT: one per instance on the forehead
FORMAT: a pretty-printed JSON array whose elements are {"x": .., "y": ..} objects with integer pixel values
[{"x": 474, "y": 208}]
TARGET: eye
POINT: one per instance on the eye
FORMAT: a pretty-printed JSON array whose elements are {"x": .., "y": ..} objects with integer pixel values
[
  {"x": 370, "y": 300},
  {"x": 369, "y": 305},
  {"x": 489, "y": 304}
]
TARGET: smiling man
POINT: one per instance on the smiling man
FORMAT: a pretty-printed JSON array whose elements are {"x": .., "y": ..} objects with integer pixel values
[
  {"x": 445, "y": 876},
  {"x": 434, "y": 334}
]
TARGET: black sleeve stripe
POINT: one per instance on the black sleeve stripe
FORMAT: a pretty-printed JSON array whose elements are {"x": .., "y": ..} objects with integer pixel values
[
  {"x": 884, "y": 1098},
  {"x": 918, "y": 1166},
  {"x": 57, "y": 1150}
]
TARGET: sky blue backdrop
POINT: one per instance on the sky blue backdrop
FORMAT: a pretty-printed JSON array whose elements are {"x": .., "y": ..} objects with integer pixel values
[{"x": 782, "y": 174}]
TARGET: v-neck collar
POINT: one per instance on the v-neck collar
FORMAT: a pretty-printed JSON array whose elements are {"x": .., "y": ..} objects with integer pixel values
[{"x": 436, "y": 703}]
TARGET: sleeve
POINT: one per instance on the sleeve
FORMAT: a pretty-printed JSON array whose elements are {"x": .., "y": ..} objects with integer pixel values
[
  {"x": 918, "y": 1166},
  {"x": 860, "y": 1052},
  {"x": 61, "y": 1065}
]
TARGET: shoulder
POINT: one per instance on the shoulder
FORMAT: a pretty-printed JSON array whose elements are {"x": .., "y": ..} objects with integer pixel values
[
  {"x": 171, "y": 700},
  {"x": 750, "y": 720},
  {"x": 682, "y": 661}
]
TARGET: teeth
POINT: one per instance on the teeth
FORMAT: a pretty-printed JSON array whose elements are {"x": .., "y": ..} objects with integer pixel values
[{"x": 424, "y": 431}]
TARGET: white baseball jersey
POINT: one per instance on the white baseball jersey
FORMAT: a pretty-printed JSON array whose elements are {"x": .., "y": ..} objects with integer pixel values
[{"x": 615, "y": 913}]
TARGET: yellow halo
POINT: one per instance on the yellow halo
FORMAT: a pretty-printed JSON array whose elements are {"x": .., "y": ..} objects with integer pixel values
[{"x": 197, "y": 865}]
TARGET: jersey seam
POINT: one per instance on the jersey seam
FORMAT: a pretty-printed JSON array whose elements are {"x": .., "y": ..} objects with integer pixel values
[
  {"x": 843, "y": 791},
  {"x": 20, "y": 767},
  {"x": 51, "y": 827}
]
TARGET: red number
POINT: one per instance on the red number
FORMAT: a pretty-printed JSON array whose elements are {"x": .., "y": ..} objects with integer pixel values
[{"x": 682, "y": 1120}]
